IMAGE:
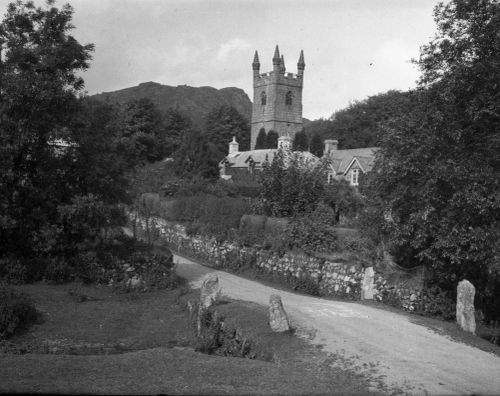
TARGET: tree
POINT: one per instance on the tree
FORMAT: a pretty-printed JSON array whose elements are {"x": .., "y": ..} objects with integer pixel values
[
  {"x": 176, "y": 125},
  {"x": 39, "y": 81},
  {"x": 224, "y": 122},
  {"x": 143, "y": 137},
  {"x": 316, "y": 146},
  {"x": 260, "y": 143},
  {"x": 438, "y": 173},
  {"x": 272, "y": 140},
  {"x": 300, "y": 141},
  {"x": 290, "y": 185},
  {"x": 197, "y": 157}
]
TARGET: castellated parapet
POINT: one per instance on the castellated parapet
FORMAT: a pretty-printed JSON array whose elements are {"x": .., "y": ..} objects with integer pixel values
[{"x": 277, "y": 98}]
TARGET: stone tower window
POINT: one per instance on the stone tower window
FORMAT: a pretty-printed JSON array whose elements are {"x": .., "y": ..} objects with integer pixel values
[
  {"x": 288, "y": 98},
  {"x": 263, "y": 98}
]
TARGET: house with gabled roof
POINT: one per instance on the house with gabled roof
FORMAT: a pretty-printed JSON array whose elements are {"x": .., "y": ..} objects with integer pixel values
[
  {"x": 348, "y": 164},
  {"x": 244, "y": 165}
]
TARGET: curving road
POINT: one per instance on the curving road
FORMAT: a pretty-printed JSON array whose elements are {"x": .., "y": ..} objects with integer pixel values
[{"x": 408, "y": 356}]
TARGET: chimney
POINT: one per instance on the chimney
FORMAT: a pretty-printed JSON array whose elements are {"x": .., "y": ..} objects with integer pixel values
[
  {"x": 234, "y": 147},
  {"x": 330, "y": 145}
]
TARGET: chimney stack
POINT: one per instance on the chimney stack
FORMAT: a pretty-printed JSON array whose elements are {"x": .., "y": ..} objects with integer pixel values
[
  {"x": 330, "y": 145},
  {"x": 234, "y": 147}
]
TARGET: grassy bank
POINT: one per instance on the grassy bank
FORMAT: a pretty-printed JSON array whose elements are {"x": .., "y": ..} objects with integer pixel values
[{"x": 92, "y": 340}]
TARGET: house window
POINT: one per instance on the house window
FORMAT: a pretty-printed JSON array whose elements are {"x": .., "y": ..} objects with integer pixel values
[
  {"x": 263, "y": 98},
  {"x": 330, "y": 178},
  {"x": 288, "y": 98},
  {"x": 355, "y": 177}
]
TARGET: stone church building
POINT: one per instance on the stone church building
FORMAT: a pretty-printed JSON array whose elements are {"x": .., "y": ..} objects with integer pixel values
[{"x": 277, "y": 106}]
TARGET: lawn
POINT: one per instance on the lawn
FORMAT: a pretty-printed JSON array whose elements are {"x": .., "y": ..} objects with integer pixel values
[{"x": 93, "y": 340}]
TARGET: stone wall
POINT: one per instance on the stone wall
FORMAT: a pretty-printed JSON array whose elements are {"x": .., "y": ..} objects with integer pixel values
[{"x": 337, "y": 279}]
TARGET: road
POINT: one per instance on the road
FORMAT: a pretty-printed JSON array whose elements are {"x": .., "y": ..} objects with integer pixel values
[{"x": 410, "y": 356}]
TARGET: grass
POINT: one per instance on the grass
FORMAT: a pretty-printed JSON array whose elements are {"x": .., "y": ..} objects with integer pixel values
[{"x": 105, "y": 342}]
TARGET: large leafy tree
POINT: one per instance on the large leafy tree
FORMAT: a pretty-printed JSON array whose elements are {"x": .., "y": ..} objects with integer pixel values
[
  {"x": 143, "y": 136},
  {"x": 437, "y": 179},
  {"x": 39, "y": 85},
  {"x": 224, "y": 122}
]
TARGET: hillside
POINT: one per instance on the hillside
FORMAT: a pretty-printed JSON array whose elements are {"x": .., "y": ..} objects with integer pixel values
[{"x": 194, "y": 102}]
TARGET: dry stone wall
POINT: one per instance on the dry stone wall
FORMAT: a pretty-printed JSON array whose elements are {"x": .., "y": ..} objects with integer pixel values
[{"x": 337, "y": 279}]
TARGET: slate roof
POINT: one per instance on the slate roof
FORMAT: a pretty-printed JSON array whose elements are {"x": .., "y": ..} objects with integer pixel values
[
  {"x": 341, "y": 159},
  {"x": 240, "y": 159}
]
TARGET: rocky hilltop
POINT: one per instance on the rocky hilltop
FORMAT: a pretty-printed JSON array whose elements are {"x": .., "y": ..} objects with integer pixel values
[{"x": 194, "y": 102}]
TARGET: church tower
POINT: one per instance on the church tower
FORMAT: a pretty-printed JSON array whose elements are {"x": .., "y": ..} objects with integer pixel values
[{"x": 277, "y": 98}]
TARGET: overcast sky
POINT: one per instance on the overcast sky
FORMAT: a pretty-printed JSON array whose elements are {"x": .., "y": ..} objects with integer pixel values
[{"x": 352, "y": 48}]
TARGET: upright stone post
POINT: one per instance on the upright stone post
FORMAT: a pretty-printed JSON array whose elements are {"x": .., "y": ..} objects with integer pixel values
[
  {"x": 368, "y": 284},
  {"x": 465, "y": 306},
  {"x": 210, "y": 290},
  {"x": 278, "y": 319}
]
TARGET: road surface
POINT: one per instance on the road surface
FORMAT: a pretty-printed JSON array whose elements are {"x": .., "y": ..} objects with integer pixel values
[{"x": 411, "y": 357}]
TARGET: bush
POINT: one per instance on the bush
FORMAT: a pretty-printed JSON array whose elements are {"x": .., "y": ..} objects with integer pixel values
[
  {"x": 314, "y": 232},
  {"x": 17, "y": 311}
]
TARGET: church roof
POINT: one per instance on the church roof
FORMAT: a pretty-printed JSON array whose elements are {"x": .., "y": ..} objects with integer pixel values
[
  {"x": 342, "y": 159},
  {"x": 241, "y": 159}
]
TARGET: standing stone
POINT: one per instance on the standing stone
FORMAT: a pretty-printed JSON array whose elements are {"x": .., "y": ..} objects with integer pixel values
[
  {"x": 465, "y": 306},
  {"x": 368, "y": 284},
  {"x": 278, "y": 319},
  {"x": 210, "y": 290}
]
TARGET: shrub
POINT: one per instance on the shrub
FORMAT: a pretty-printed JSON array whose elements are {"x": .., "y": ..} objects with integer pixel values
[
  {"x": 17, "y": 311},
  {"x": 314, "y": 232}
]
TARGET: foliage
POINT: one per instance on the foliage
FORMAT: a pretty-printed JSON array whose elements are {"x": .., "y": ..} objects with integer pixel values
[
  {"x": 313, "y": 232},
  {"x": 224, "y": 122},
  {"x": 212, "y": 215},
  {"x": 290, "y": 185},
  {"x": 40, "y": 61},
  {"x": 260, "y": 143},
  {"x": 316, "y": 145},
  {"x": 17, "y": 311},
  {"x": 300, "y": 141},
  {"x": 95, "y": 131},
  {"x": 87, "y": 222},
  {"x": 272, "y": 140},
  {"x": 437, "y": 179},
  {"x": 144, "y": 271},
  {"x": 143, "y": 135},
  {"x": 343, "y": 199},
  {"x": 362, "y": 123},
  {"x": 175, "y": 126},
  {"x": 197, "y": 156}
]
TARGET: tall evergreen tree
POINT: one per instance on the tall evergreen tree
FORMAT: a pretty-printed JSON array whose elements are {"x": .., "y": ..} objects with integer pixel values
[
  {"x": 260, "y": 143},
  {"x": 316, "y": 146},
  {"x": 272, "y": 140},
  {"x": 300, "y": 141}
]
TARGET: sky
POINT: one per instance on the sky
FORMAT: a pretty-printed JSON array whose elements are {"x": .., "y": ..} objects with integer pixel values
[{"x": 352, "y": 48}]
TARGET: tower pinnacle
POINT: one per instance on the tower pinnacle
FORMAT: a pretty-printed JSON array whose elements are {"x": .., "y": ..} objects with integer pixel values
[
  {"x": 301, "y": 64},
  {"x": 276, "y": 59},
  {"x": 283, "y": 68},
  {"x": 256, "y": 63}
]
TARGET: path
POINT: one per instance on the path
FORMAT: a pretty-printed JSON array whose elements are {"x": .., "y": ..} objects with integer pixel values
[{"x": 410, "y": 356}]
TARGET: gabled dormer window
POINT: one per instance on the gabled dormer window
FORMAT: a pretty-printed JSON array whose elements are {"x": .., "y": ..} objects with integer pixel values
[{"x": 263, "y": 98}]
